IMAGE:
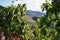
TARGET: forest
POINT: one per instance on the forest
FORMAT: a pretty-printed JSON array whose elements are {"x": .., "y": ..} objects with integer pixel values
[{"x": 13, "y": 26}]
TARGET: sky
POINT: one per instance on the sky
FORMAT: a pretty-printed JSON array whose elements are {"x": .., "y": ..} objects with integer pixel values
[
  {"x": 34, "y": 5},
  {"x": 5, "y": 2}
]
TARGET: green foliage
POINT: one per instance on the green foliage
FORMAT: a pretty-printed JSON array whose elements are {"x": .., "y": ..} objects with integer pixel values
[
  {"x": 47, "y": 27},
  {"x": 49, "y": 24},
  {"x": 12, "y": 21}
]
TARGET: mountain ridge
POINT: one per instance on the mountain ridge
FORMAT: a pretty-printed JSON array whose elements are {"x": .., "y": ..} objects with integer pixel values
[{"x": 34, "y": 13}]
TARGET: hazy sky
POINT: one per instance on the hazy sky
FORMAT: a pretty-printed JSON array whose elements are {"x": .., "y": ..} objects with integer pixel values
[
  {"x": 31, "y": 4},
  {"x": 5, "y": 2}
]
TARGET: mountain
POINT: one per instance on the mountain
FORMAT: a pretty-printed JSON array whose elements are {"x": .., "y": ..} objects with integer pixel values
[
  {"x": 34, "y": 13},
  {"x": 1, "y": 7}
]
